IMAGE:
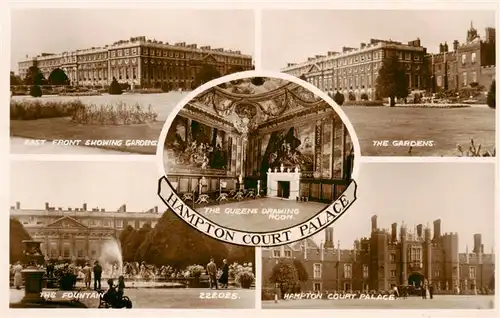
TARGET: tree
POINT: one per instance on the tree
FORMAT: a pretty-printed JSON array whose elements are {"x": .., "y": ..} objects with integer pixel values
[
  {"x": 36, "y": 91},
  {"x": 391, "y": 80},
  {"x": 130, "y": 245},
  {"x": 176, "y": 243},
  {"x": 17, "y": 235},
  {"x": 258, "y": 81},
  {"x": 115, "y": 88},
  {"x": 58, "y": 77},
  {"x": 285, "y": 276},
  {"x": 34, "y": 76},
  {"x": 364, "y": 96},
  {"x": 352, "y": 97},
  {"x": 302, "y": 274},
  {"x": 339, "y": 98},
  {"x": 15, "y": 80},
  {"x": 240, "y": 254},
  {"x": 124, "y": 235},
  {"x": 206, "y": 74},
  {"x": 491, "y": 98}
]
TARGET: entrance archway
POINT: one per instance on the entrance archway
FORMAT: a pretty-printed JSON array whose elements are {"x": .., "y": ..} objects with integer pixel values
[{"x": 416, "y": 279}]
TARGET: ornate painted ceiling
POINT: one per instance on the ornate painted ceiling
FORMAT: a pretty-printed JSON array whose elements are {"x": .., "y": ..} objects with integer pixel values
[{"x": 250, "y": 102}]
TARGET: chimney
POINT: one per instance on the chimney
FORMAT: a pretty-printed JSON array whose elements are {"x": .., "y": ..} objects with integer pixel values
[
  {"x": 441, "y": 47},
  {"x": 362, "y": 45},
  {"x": 467, "y": 254},
  {"x": 47, "y": 206},
  {"x": 455, "y": 45},
  {"x": 477, "y": 244},
  {"x": 328, "y": 237},
  {"x": 374, "y": 223},
  {"x": 437, "y": 230},
  {"x": 419, "y": 230},
  {"x": 427, "y": 235},
  {"x": 445, "y": 47},
  {"x": 124, "y": 208},
  {"x": 156, "y": 209},
  {"x": 331, "y": 53},
  {"x": 355, "y": 250},
  {"x": 482, "y": 248},
  {"x": 18, "y": 205},
  {"x": 338, "y": 251},
  {"x": 322, "y": 251},
  {"x": 85, "y": 207},
  {"x": 394, "y": 232}
]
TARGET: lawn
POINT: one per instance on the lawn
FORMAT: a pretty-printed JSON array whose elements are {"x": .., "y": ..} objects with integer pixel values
[
  {"x": 447, "y": 127},
  {"x": 63, "y": 128}
]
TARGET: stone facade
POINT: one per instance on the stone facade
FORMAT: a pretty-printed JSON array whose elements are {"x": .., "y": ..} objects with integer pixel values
[
  {"x": 472, "y": 62},
  {"x": 78, "y": 233},
  {"x": 138, "y": 61},
  {"x": 386, "y": 259},
  {"x": 355, "y": 70}
]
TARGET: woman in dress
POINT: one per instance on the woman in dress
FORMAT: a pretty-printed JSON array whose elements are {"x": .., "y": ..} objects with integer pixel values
[
  {"x": 224, "y": 277},
  {"x": 18, "y": 276}
]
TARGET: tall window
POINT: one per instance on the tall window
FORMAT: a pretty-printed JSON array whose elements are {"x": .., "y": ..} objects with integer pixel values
[
  {"x": 464, "y": 58},
  {"x": 317, "y": 287},
  {"x": 347, "y": 271},
  {"x": 472, "y": 272},
  {"x": 365, "y": 271},
  {"x": 288, "y": 254},
  {"x": 317, "y": 271},
  {"x": 416, "y": 254},
  {"x": 464, "y": 78},
  {"x": 53, "y": 250},
  {"x": 473, "y": 57},
  {"x": 277, "y": 253},
  {"x": 439, "y": 81},
  {"x": 474, "y": 77}
]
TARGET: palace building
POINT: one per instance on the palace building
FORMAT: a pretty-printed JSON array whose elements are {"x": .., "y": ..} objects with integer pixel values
[
  {"x": 465, "y": 64},
  {"x": 387, "y": 259},
  {"x": 354, "y": 71},
  {"x": 273, "y": 139},
  {"x": 78, "y": 234},
  {"x": 139, "y": 62}
]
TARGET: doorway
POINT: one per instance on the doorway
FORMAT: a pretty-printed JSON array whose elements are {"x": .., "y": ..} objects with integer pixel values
[
  {"x": 284, "y": 189},
  {"x": 416, "y": 280}
]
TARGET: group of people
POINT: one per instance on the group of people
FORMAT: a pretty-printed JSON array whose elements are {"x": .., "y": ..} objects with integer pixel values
[{"x": 218, "y": 276}]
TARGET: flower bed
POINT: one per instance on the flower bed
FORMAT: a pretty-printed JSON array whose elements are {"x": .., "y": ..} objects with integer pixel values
[
  {"x": 120, "y": 114},
  {"x": 80, "y": 113},
  {"x": 31, "y": 110},
  {"x": 435, "y": 105},
  {"x": 87, "y": 93},
  {"x": 148, "y": 91},
  {"x": 66, "y": 276},
  {"x": 242, "y": 274},
  {"x": 193, "y": 272},
  {"x": 366, "y": 103}
]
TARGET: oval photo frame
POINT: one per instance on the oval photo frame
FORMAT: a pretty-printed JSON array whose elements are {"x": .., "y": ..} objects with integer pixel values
[{"x": 311, "y": 226}]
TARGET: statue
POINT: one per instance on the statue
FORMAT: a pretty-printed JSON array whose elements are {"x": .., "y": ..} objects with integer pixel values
[
  {"x": 269, "y": 170},
  {"x": 282, "y": 168},
  {"x": 296, "y": 169}
]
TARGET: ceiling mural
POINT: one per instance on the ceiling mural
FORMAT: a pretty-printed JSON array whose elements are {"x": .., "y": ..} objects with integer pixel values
[{"x": 249, "y": 102}]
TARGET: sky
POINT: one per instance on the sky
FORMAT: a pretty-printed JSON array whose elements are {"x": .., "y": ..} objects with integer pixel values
[
  {"x": 57, "y": 30},
  {"x": 66, "y": 184},
  {"x": 460, "y": 194},
  {"x": 291, "y": 36}
]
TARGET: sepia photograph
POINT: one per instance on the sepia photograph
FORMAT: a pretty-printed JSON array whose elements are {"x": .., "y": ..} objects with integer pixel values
[
  {"x": 422, "y": 83},
  {"x": 258, "y": 154},
  {"x": 103, "y": 81},
  {"x": 84, "y": 235},
  {"x": 421, "y": 236}
]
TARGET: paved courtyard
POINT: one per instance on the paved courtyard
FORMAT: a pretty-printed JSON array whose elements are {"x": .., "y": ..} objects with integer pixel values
[
  {"x": 439, "y": 302},
  {"x": 175, "y": 298},
  {"x": 260, "y": 221}
]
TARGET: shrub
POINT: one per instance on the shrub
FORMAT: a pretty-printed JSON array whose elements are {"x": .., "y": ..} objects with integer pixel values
[
  {"x": 36, "y": 91},
  {"x": 339, "y": 98},
  {"x": 365, "y": 103},
  {"x": 364, "y": 96},
  {"x": 490, "y": 100},
  {"x": 243, "y": 274},
  {"x": 149, "y": 91},
  {"x": 31, "y": 110},
  {"x": 474, "y": 151},
  {"x": 120, "y": 114},
  {"x": 166, "y": 87},
  {"x": 115, "y": 88},
  {"x": 194, "y": 271},
  {"x": 352, "y": 97}
]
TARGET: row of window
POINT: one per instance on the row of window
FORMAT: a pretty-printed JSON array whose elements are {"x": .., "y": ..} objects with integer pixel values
[
  {"x": 92, "y": 222},
  {"x": 465, "y": 81}
]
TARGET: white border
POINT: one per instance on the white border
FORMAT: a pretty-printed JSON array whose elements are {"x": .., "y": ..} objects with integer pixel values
[{"x": 241, "y": 237}]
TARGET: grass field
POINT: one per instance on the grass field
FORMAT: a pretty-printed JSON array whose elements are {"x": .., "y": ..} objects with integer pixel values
[{"x": 446, "y": 127}]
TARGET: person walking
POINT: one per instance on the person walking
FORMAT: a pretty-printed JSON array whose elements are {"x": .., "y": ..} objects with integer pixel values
[
  {"x": 18, "y": 276},
  {"x": 224, "y": 277},
  {"x": 97, "y": 275},
  {"x": 87, "y": 275},
  {"x": 212, "y": 274}
]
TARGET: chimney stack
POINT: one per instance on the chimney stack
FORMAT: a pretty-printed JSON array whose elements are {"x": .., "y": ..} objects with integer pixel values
[
  {"x": 455, "y": 45},
  {"x": 437, "y": 230},
  {"x": 328, "y": 237},
  {"x": 441, "y": 48},
  {"x": 47, "y": 206},
  {"x": 305, "y": 249},
  {"x": 85, "y": 207},
  {"x": 445, "y": 47},
  {"x": 419, "y": 230},
  {"x": 394, "y": 232},
  {"x": 156, "y": 209},
  {"x": 477, "y": 244},
  {"x": 18, "y": 205},
  {"x": 374, "y": 223}
]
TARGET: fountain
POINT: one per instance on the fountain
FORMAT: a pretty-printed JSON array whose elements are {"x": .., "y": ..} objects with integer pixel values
[{"x": 111, "y": 259}]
